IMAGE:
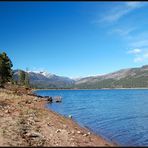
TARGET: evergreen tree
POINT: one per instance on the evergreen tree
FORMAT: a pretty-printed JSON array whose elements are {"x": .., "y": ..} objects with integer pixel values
[
  {"x": 5, "y": 69},
  {"x": 21, "y": 77},
  {"x": 27, "y": 80}
]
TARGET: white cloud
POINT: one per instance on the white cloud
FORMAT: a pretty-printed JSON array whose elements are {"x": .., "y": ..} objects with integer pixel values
[
  {"x": 37, "y": 70},
  {"x": 135, "y": 51},
  {"x": 140, "y": 55},
  {"x": 138, "y": 59},
  {"x": 116, "y": 15},
  {"x": 136, "y": 4},
  {"x": 124, "y": 32},
  {"x": 139, "y": 43},
  {"x": 120, "y": 10},
  {"x": 133, "y": 4},
  {"x": 130, "y": 31},
  {"x": 143, "y": 57}
]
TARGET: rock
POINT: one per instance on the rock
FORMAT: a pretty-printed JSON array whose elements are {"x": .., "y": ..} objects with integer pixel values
[
  {"x": 58, "y": 99},
  {"x": 88, "y": 133},
  {"x": 39, "y": 96},
  {"x": 7, "y": 111},
  {"x": 28, "y": 102},
  {"x": 34, "y": 135},
  {"x": 65, "y": 126},
  {"x": 5, "y": 107},
  {"x": 23, "y": 131},
  {"x": 68, "y": 132},
  {"x": 1, "y": 115},
  {"x": 8, "y": 107},
  {"x": 35, "y": 99},
  {"x": 72, "y": 131},
  {"x": 48, "y": 124},
  {"x": 36, "y": 120},
  {"x": 49, "y": 100},
  {"x": 70, "y": 116},
  {"x": 85, "y": 135},
  {"x": 78, "y": 132},
  {"x": 58, "y": 130},
  {"x": 31, "y": 121}
]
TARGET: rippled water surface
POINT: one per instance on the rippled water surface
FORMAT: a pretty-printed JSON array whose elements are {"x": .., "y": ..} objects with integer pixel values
[{"x": 117, "y": 115}]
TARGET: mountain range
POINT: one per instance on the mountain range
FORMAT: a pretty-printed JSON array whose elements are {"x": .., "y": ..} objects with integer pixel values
[
  {"x": 46, "y": 80},
  {"x": 124, "y": 78}
]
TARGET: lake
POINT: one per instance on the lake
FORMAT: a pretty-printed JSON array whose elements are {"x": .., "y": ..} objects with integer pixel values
[{"x": 120, "y": 116}]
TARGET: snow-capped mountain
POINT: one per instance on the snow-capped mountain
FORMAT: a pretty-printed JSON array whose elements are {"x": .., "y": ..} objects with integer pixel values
[
  {"x": 43, "y": 79},
  {"x": 47, "y": 74},
  {"x": 44, "y": 73}
]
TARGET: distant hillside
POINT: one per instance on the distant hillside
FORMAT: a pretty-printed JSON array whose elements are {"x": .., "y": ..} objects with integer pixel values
[
  {"x": 46, "y": 80},
  {"x": 125, "y": 78}
]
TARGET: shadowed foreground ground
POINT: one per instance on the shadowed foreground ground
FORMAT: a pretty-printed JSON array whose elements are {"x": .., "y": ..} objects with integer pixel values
[{"x": 25, "y": 122}]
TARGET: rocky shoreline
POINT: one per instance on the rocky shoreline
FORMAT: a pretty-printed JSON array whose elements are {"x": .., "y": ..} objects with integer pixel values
[{"x": 26, "y": 122}]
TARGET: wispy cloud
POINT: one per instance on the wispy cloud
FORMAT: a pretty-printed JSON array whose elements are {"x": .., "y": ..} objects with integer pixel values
[
  {"x": 137, "y": 54},
  {"x": 134, "y": 4},
  {"x": 142, "y": 57},
  {"x": 37, "y": 70},
  {"x": 123, "y": 32},
  {"x": 119, "y": 11},
  {"x": 129, "y": 31},
  {"x": 134, "y": 51},
  {"x": 139, "y": 43},
  {"x": 138, "y": 59},
  {"x": 135, "y": 40}
]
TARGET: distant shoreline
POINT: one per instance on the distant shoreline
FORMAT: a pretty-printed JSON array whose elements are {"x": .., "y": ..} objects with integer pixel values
[{"x": 97, "y": 89}]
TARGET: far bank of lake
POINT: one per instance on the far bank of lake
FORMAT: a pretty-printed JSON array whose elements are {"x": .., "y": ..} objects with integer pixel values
[{"x": 92, "y": 89}]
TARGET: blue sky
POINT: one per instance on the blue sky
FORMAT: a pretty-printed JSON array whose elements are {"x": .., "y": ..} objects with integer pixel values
[{"x": 75, "y": 39}]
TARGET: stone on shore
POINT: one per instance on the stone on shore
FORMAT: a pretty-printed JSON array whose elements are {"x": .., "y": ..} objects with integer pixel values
[{"x": 58, "y": 99}]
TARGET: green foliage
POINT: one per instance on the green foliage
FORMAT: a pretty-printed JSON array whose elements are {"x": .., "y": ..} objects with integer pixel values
[
  {"x": 139, "y": 80},
  {"x": 21, "y": 77},
  {"x": 24, "y": 78},
  {"x": 5, "y": 69},
  {"x": 27, "y": 83}
]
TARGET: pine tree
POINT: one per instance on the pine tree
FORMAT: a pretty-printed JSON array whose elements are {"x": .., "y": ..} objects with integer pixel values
[
  {"x": 5, "y": 69},
  {"x": 27, "y": 80},
  {"x": 21, "y": 77}
]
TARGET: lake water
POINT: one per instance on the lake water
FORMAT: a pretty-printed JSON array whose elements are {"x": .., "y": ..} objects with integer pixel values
[{"x": 120, "y": 116}]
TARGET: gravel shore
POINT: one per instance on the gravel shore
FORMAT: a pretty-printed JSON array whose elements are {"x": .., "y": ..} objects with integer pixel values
[{"x": 24, "y": 121}]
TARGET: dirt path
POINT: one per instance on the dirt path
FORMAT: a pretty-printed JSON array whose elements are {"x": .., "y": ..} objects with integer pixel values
[{"x": 25, "y": 122}]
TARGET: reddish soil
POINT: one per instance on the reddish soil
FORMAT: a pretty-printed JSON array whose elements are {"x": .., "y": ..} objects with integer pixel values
[{"x": 24, "y": 121}]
